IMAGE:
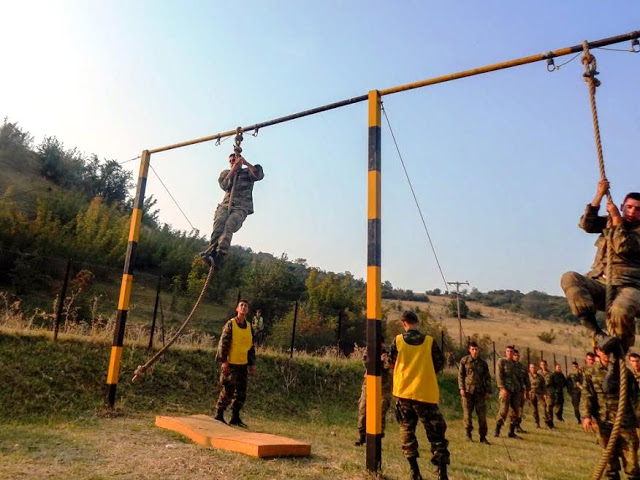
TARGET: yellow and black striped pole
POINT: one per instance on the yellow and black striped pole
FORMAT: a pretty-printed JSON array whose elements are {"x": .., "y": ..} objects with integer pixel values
[
  {"x": 374, "y": 290},
  {"x": 127, "y": 281}
]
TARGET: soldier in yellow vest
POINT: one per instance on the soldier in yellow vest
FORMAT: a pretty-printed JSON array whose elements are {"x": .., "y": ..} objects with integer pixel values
[
  {"x": 417, "y": 358},
  {"x": 237, "y": 355}
]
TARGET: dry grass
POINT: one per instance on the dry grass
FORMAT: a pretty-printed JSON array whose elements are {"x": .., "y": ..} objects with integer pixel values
[
  {"x": 132, "y": 448},
  {"x": 505, "y": 327}
]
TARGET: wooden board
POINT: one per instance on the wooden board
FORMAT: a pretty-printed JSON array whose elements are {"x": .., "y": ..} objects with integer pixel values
[{"x": 206, "y": 431}]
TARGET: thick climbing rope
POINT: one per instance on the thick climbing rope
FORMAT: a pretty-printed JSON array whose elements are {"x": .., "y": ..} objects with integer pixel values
[
  {"x": 139, "y": 372},
  {"x": 590, "y": 72}
]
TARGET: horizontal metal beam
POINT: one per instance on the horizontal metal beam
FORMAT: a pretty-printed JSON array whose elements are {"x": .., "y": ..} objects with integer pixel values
[{"x": 410, "y": 86}]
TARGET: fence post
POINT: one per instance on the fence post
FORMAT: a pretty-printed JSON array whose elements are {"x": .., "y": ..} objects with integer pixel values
[
  {"x": 566, "y": 365},
  {"x": 442, "y": 341},
  {"x": 554, "y": 360},
  {"x": 528, "y": 357},
  {"x": 162, "y": 324},
  {"x": 468, "y": 341},
  {"x": 339, "y": 332},
  {"x": 541, "y": 355},
  {"x": 293, "y": 331},
  {"x": 494, "y": 359},
  {"x": 155, "y": 313},
  {"x": 63, "y": 294}
]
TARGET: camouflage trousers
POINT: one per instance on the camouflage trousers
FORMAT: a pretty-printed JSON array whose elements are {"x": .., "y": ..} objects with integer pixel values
[
  {"x": 234, "y": 388},
  {"x": 410, "y": 411},
  {"x": 225, "y": 224},
  {"x": 586, "y": 295},
  {"x": 548, "y": 414},
  {"x": 506, "y": 401},
  {"x": 626, "y": 451},
  {"x": 538, "y": 401},
  {"x": 471, "y": 402},
  {"x": 575, "y": 401},
  {"x": 362, "y": 408}
]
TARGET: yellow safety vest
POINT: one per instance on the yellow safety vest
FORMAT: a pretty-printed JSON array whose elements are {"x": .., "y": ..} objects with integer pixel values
[
  {"x": 241, "y": 343},
  {"x": 414, "y": 377}
]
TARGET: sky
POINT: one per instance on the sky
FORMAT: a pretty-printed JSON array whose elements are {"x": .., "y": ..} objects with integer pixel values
[{"x": 502, "y": 164}]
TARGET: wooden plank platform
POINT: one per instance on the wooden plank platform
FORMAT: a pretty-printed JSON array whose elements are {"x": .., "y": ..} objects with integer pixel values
[{"x": 206, "y": 431}]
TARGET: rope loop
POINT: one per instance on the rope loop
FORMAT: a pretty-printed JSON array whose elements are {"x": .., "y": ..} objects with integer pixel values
[
  {"x": 589, "y": 62},
  {"x": 635, "y": 45},
  {"x": 551, "y": 65}
]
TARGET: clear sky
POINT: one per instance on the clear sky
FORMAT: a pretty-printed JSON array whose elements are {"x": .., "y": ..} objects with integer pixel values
[{"x": 503, "y": 164}]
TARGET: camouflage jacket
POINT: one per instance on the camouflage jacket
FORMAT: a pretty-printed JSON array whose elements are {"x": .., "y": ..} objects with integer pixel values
[
  {"x": 414, "y": 337},
  {"x": 224, "y": 344},
  {"x": 574, "y": 382},
  {"x": 474, "y": 376},
  {"x": 508, "y": 376},
  {"x": 625, "y": 242},
  {"x": 523, "y": 375},
  {"x": 243, "y": 193},
  {"x": 637, "y": 375},
  {"x": 548, "y": 383},
  {"x": 601, "y": 406},
  {"x": 537, "y": 384}
]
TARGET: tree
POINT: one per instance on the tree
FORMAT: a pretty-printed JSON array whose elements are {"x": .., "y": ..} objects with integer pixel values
[
  {"x": 49, "y": 154},
  {"x": 452, "y": 308}
]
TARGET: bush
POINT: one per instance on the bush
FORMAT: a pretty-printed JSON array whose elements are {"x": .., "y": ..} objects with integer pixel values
[{"x": 547, "y": 337}]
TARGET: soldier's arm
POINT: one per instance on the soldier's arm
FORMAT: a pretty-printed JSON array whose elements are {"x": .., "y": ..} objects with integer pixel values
[
  {"x": 393, "y": 352},
  {"x": 461, "y": 375},
  {"x": 251, "y": 354},
  {"x": 587, "y": 398},
  {"x": 591, "y": 222},
  {"x": 487, "y": 380},
  {"x": 437, "y": 357},
  {"x": 224, "y": 344},
  {"x": 527, "y": 382},
  {"x": 225, "y": 180},
  {"x": 500, "y": 374},
  {"x": 255, "y": 171}
]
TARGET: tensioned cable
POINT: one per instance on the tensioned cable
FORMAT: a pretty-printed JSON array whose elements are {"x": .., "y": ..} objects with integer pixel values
[
  {"x": 174, "y": 200},
  {"x": 130, "y": 160},
  {"x": 415, "y": 198}
]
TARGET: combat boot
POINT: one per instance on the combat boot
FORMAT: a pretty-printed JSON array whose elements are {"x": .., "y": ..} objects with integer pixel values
[
  {"x": 469, "y": 438},
  {"x": 496, "y": 433},
  {"x": 208, "y": 257},
  {"x": 415, "y": 469},
  {"x": 237, "y": 421},
  {"x": 549, "y": 424},
  {"x": 218, "y": 260},
  {"x": 219, "y": 416},
  {"x": 361, "y": 440},
  {"x": 442, "y": 472},
  {"x": 484, "y": 440},
  {"x": 538, "y": 424},
  {"x": 512, "y": 432}
]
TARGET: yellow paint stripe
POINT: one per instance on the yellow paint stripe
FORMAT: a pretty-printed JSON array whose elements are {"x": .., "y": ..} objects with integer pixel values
[
  {"x": 114, "y": 365},
  {"x": 125, "y": 292},
  {"x": 374, "y": 183},
  {"x": 374, "y": 404},
  {"x": 374, "y": 293},
  {"x": 374, "y": 109},
  {"x": 134, "y": 229}
]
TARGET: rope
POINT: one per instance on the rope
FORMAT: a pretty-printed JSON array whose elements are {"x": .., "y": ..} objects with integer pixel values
[
  {"x": 590, "y": 72},
  {"x": 237, "y": 150},
  {"x": 139, "y": 372},
  {"x": 415, "y": 199}
]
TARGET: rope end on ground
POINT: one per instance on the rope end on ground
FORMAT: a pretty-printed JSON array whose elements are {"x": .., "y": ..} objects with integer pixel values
[{"x": 138, "y": 374}]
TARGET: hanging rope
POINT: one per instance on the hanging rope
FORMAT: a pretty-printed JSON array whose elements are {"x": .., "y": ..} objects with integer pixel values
[
  {"x": 590, "y": 72},
  {"x": 237, "y": 150},
  {"x": 139, "y": 372}
]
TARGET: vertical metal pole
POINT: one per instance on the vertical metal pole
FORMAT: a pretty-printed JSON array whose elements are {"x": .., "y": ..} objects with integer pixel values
[
  {"x": 63, "y": 294},
  {"x": 293, "y": 330},
  {"x": 374, "y": 287},
  {"x": 494, "y": 358},
  {"x": 338, "y": 333},
  {"x": 127, "y": 281},
  {"x": 155, "y": 313},
  {"x": 554, "y": 360},
  {"x": 566, "y": 365},
  {"x": 459, "y": 316},
  {"x": 442, "y": 341}
]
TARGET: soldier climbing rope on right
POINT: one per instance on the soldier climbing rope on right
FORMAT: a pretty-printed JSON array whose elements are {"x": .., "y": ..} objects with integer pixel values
[{"x": 237, "y": 182}]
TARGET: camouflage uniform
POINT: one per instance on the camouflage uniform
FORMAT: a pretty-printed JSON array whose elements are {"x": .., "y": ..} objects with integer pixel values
[
  {"x": 602, "y": 408},
  {"x": 574, "y": 387},
  {"x": 508, "y": 378},
  {"x": 536, "y": 397},
  {"x": 410, "y": 411},
  {"x": 227, "y": 222},
  {"x": 525, "y": 386},
  {"x": 586, "y": 294},
  {"x": 474, "y": 378},
  {"x": 386, "y": 397},
  {"x": 548, "y": 396},
  {"x": 559, "y": 383},
  {"x": 233, "y": 383}
]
